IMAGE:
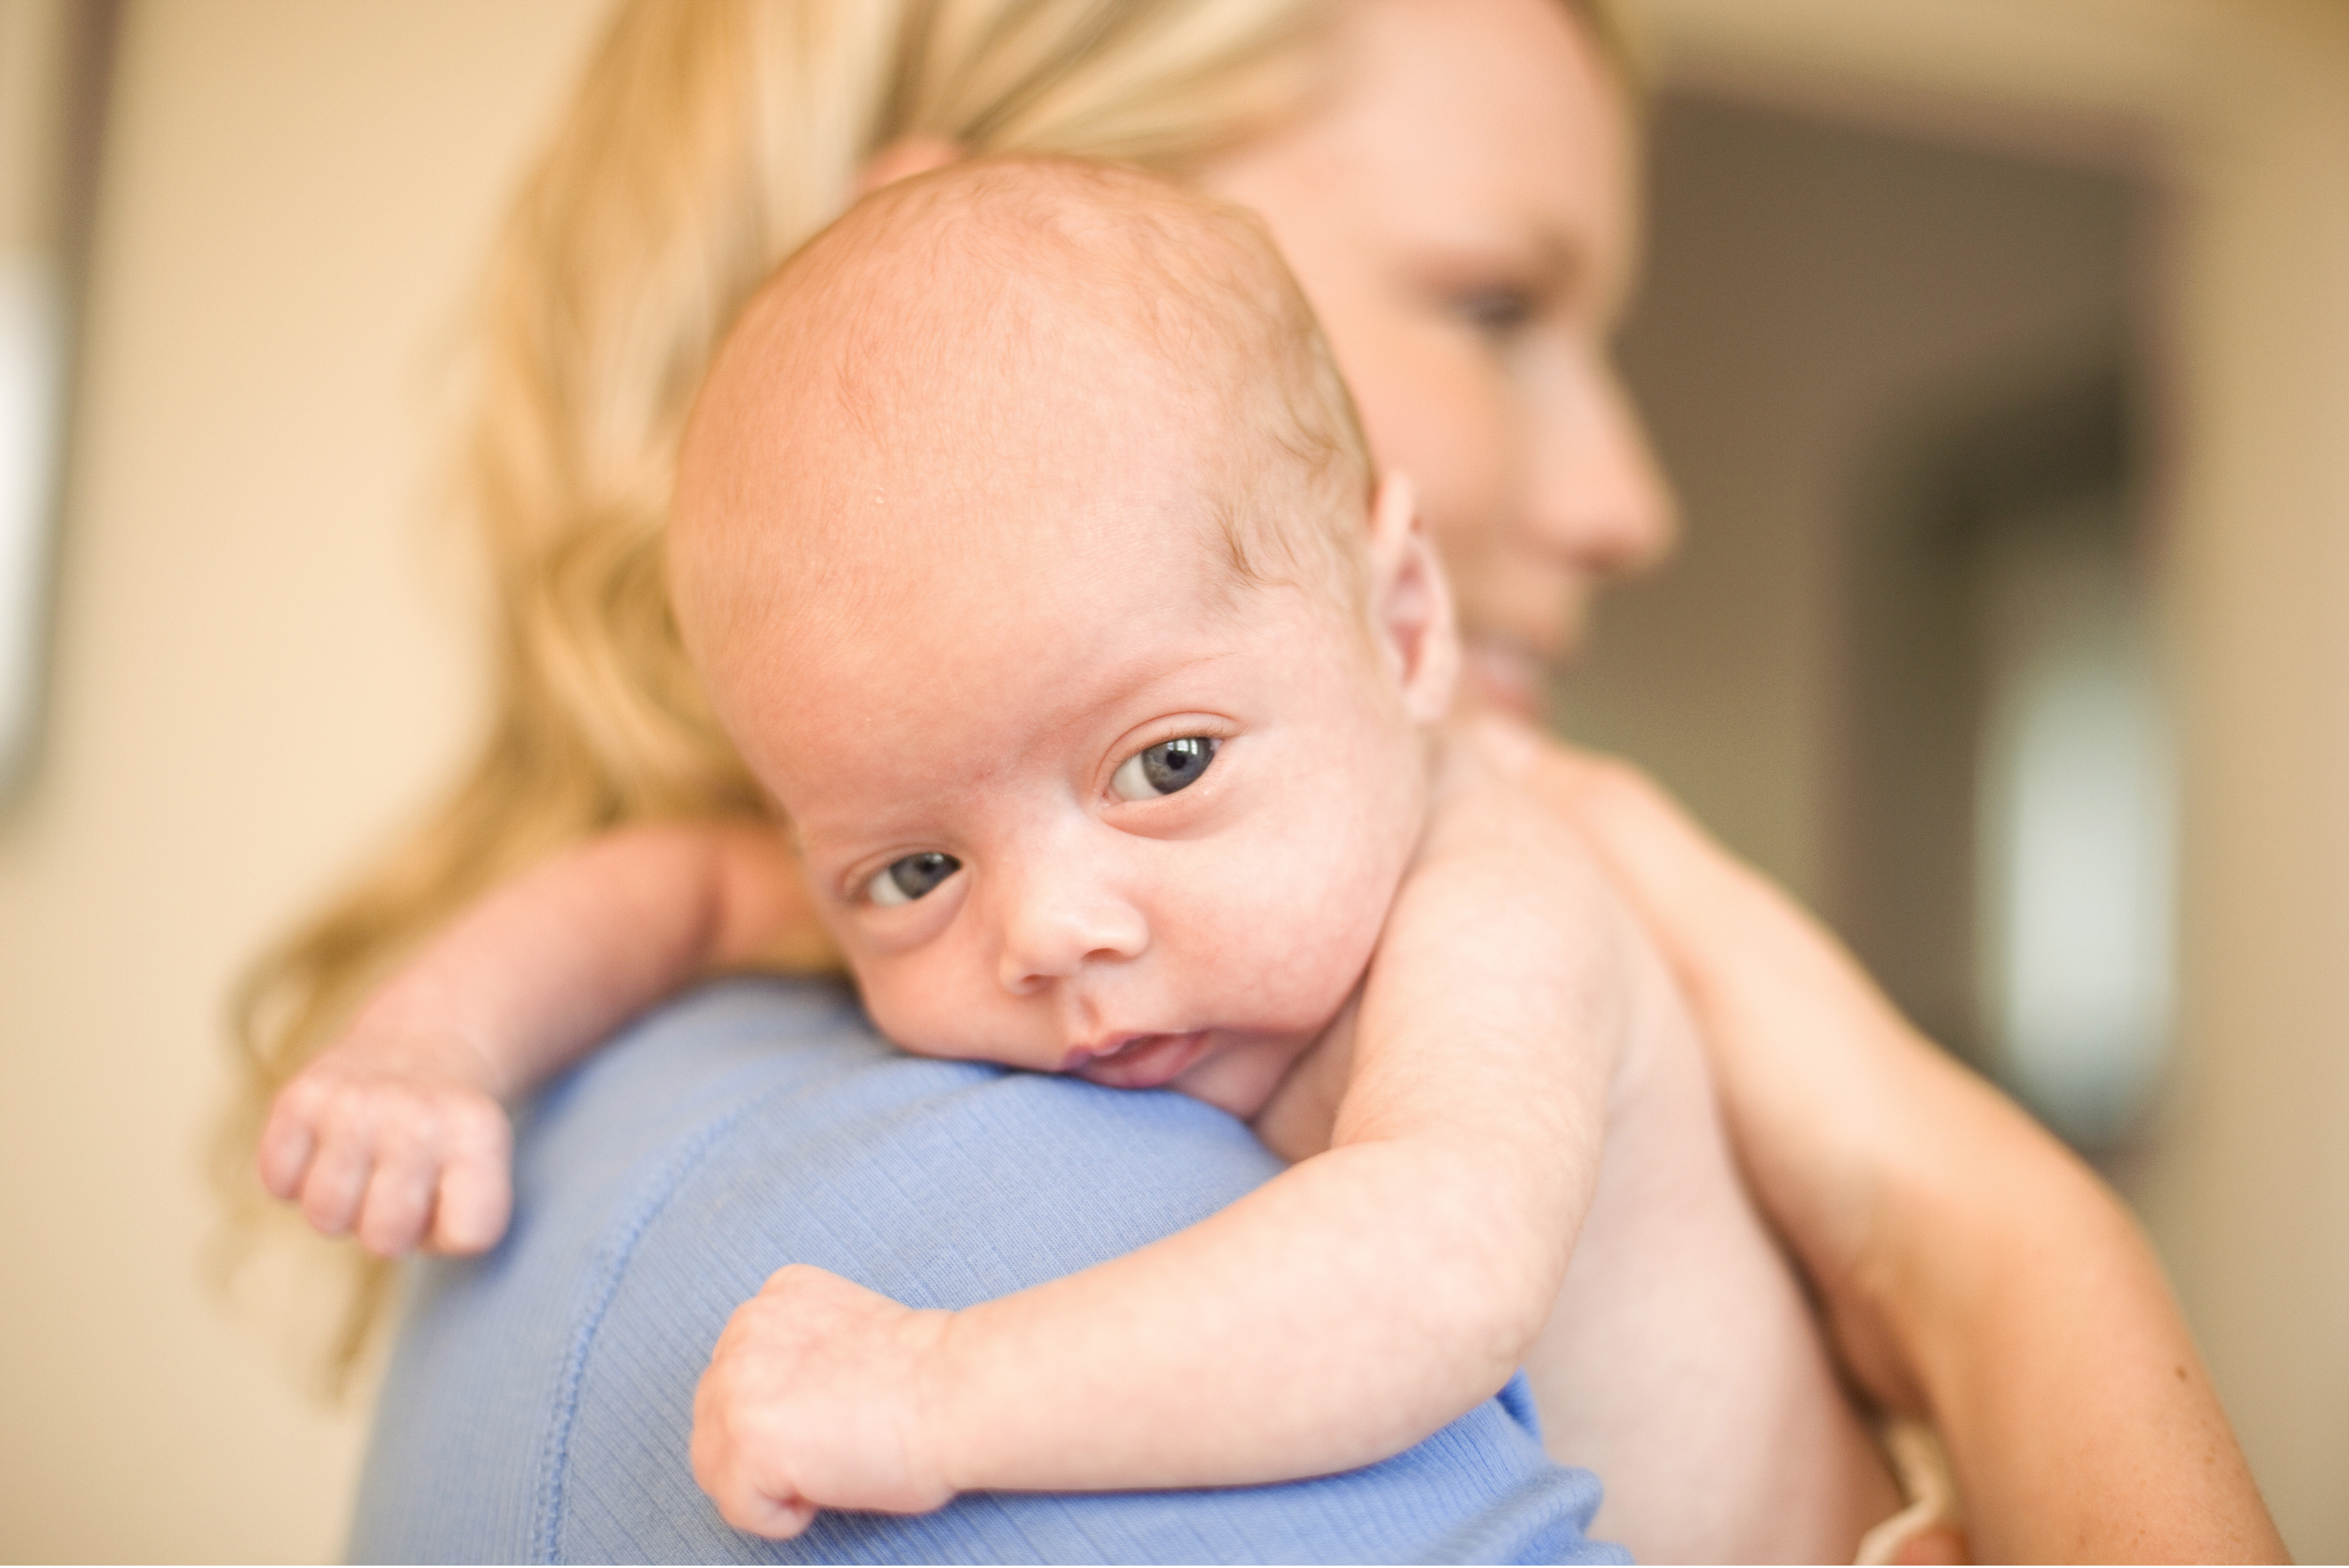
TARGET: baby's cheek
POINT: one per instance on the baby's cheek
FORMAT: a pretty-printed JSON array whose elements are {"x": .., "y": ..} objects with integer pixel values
[
  {"x": 1340, "y": 906},
  {"x": 898, "y": 1005},
  {"x": 926, "y": 1009},
  {"x": 1314, "y": 930}
]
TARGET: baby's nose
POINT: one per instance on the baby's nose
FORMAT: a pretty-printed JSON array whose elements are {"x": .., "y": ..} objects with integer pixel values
[{"x": 1053, "y": 926}]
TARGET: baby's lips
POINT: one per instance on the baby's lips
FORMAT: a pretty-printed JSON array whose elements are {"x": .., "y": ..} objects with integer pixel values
[
  {"x": 1139, "y": 1062},
  {"x": 1107, "y": 1046}
]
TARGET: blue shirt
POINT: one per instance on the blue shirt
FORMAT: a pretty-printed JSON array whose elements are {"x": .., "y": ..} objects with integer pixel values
[{"x": 539, "y": 1400}]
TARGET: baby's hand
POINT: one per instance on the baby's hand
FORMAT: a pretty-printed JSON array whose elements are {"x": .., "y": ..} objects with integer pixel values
[
  {"x": 814, "y": 1399},
  {"x": 397, "y": 1140}
]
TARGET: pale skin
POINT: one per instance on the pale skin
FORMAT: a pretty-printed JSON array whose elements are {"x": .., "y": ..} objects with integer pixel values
[
  {"x": 563, "y": 933},
  {"x": 948, "y": 699},
  {"x": 1972, "y": 1268},
  {"x": 1303, "y": 1275},
  {"x": 1121, "y": 939},
  {"x": 1131, "y": 940},
  {"x": 1463, "y": 220},
  {"x": 1519, "y": 489}
]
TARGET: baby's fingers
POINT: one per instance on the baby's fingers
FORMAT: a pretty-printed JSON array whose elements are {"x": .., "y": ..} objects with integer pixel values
[
  {"x": 440, "y": 1173},
  {"x": 334, "y": 1184},
  {"x": 288, "y": 1145},
  {"x": 726, "y": 1466},
  {"x": 476, "y": 1188},
  {"x": 398, "y": 1203},
  {"x": 755, "y": 1513},
  {"x": 311, "y": 1153}
]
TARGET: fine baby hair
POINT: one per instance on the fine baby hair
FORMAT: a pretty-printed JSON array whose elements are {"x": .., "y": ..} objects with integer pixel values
[{"x": 938, "y": 309}]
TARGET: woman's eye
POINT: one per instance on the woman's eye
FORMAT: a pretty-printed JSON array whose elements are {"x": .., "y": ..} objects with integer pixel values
[
  {"x": 1163, "y": 768},
  {"x": 904, "y": 880},
  {"x": 1496, "y": 312}
]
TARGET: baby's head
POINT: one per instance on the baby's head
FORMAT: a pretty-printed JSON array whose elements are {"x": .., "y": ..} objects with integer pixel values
[{"x": 1028, "y": 545}]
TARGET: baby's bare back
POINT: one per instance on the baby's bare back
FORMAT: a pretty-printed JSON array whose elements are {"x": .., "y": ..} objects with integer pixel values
[{"x": 1682, "y": 1363}]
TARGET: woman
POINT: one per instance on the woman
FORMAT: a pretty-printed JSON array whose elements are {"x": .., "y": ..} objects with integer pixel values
[{"x": 1452, "y": 181}]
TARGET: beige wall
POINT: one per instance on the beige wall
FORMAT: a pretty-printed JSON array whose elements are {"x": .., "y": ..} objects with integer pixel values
[
  {"x": 2251, "y": 1197},
  {"x": 259, "y": 666},
  {"x": 2238, "y": 110}
]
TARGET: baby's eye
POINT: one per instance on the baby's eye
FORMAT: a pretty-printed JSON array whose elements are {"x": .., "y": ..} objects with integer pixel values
[
  {"x": 904, "y": 880},
  {"x": 1163, "y": 768}
]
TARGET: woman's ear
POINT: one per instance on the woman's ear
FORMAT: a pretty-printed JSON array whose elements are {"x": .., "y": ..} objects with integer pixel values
[
  {"x": 906, "y": 156},
  {"x": 1411, "y": 603}
]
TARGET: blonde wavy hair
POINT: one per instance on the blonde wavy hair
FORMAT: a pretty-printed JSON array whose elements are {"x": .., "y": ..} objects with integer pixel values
[{"x": 706, "y": 141}]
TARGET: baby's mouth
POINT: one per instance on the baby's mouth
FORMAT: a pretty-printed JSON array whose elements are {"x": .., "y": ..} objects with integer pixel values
[{"x": 1137, "y": 1061}]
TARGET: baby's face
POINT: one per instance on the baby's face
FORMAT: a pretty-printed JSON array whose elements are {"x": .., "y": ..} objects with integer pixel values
[{"x": 1077, "y": 801}]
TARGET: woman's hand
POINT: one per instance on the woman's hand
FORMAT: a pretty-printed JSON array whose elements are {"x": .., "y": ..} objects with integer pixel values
[{"x": 1970, "y": 1267}]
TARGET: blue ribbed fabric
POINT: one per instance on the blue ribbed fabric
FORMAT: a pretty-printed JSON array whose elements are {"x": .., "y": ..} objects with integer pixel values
[{"x": 539, "y": 1400}]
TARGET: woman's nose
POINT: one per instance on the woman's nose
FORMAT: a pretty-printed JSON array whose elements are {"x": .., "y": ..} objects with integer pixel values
[
  {"x": 1599, "y": 497},
  {"x": 1056, "y": 920}
]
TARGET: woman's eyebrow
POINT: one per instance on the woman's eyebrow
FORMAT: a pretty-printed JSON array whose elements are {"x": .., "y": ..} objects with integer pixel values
[
  {"x": 1547, "y": 257},
  {"x": 1563, "y": 260}
]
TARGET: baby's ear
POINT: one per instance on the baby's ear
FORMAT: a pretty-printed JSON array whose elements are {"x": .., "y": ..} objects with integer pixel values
[{"x": 1411, "y": 603}]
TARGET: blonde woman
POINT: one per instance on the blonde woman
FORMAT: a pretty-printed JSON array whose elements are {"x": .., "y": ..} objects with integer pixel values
[{"x": 1451, "y": 181}]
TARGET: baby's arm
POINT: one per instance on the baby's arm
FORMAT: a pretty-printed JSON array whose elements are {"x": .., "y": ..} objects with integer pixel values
[
  {"x": 1345, "y": 1310},
  {"x": 398, "y": 1131}
]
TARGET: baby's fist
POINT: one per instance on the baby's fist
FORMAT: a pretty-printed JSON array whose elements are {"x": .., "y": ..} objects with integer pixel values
[
  {"x": 814, "y": 1399},
  {"x": 395, "y": 1143}
]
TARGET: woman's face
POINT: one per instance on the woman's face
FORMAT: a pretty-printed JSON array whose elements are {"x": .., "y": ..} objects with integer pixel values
[{"x": 1460, "y": 215}]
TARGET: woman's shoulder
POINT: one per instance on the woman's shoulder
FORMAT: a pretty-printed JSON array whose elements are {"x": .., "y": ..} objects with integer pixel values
[{"x": 539, "y": 1404}]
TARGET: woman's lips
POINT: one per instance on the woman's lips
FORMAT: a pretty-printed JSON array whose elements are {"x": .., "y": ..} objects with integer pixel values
[
  {"x": 1503, "y": 674},
  {"x": 1139, "y": 1062}
]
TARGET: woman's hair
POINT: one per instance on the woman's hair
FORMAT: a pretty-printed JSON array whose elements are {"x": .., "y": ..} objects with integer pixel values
[{"x": 706, "y": 141}]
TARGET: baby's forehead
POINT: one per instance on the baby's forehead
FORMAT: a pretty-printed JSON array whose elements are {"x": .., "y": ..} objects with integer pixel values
[
  {"x": 1004, "y": 536},
  {"x": 1090, "y": 439},
  {"x": 882, "y": 694},
  {"x": 1031, "y": 346}
]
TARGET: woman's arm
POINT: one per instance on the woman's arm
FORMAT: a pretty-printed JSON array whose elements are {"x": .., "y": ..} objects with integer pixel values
[
  {"x": 1335, "y": 1315},
  {"x": 1972, "y": 1269},
  {"x": 398, "y": 1129}
]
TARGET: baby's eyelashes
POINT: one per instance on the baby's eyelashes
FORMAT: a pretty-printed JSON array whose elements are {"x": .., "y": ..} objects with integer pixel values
[
  {"x": 1163, "y": 768},
  {"x": 1150, "y": 773},
  {"x": 910, "y": 877}
]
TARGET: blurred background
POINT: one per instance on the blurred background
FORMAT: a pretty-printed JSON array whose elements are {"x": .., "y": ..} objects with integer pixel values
[{"x": 2000, "y": 350}]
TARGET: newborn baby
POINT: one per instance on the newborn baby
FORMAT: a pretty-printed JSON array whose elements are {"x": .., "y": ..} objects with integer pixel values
[{"x": 1028, "y": 545}]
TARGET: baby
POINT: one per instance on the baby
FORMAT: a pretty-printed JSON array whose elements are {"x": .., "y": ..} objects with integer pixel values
[{"x": 1032, "y": 555}]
